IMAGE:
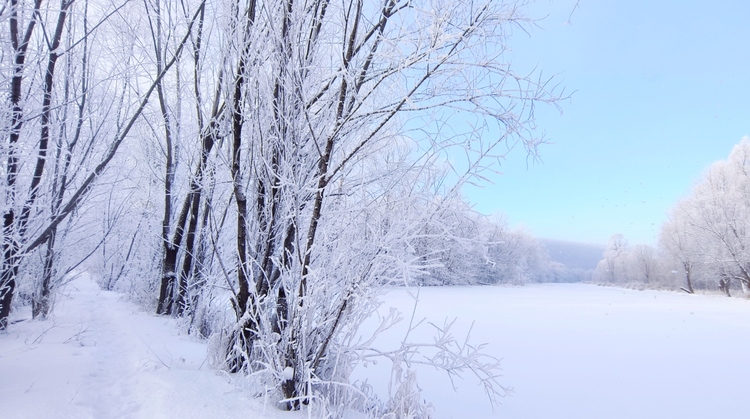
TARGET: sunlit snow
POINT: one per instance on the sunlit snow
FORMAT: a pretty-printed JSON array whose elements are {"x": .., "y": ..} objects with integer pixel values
[{"x": 569, "y": 351}]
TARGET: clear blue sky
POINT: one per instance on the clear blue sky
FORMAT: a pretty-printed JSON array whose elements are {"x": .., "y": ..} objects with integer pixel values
[{"x": 662, "y": 89}]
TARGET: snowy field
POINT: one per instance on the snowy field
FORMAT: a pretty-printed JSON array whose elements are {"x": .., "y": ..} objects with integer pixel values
[
  {"x": 583, "y": 351},
  {"x": 569, "y": 351}
]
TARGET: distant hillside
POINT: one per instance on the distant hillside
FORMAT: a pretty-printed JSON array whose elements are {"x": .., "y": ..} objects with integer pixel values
[{"x": 574, "y": 255}]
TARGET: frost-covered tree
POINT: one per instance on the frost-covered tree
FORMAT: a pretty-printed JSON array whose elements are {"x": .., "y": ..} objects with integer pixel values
[
  {"x": 319, "y": 92},
  {"x": 640, "y": 265},
  {"x": 682, "y": 248},
  {"x": 709, "y": 234},
  {"x": 79, "y": 130},
  {"x": 516, "y": 257},
  {"x": 290, "y": 158},
  {"x": 473, "y": 249},
  {"x": 647, "y": 264},
  {"x": 611, "y": 269}
]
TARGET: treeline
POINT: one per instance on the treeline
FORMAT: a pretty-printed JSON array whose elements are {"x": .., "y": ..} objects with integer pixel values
[
  {"x": 704, "y": 245},
  {"x": 484, "y": 251}
]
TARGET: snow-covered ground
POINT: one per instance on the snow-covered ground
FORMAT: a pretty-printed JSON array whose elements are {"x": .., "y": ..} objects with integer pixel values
[
  {"x": 583, "y": 351},
  {"x": 101, "y": 357},
  {"x": 569, "y": 351}
]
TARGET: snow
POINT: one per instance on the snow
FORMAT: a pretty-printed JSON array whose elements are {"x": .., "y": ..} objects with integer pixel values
[
  {"x": 101, "y": 357},
  {"x": 569, "y": 351},
  {"x": 583, "y": 351},
  {"x": 288, "y": 373}
]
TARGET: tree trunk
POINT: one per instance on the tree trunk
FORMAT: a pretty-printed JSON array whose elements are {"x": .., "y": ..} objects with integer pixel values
[
  {"x": 724, "y": 285},
  {"x": 688, "y": 278},
  {"x": 246, "y": 309},
  {"x": 9, "y": 268},
  {"x": 41, "y": 304},
  {"x": 169, "y": 263},
  {"x": 168, "y": 275},
  {"x": 11, "y": 240},
  {"x": 188, "y": 256}
]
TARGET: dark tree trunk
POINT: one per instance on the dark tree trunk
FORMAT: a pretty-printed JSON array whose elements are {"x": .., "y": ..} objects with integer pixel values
[
  {"x": 10, "y": 268},
  {"x": 688, "y": 278},
  {"x": 245, "y": 302},
  {"x": 188, "y": 256},
  {"x": 10, "y": 231},
  {"x": 168, "y": 273},
  {"x": 41, "y": 303},
  {"x": 169, "y": 263},
  {"x": 40, "y": 306},
  {"x": 172, "y": 247},
  {"x": 724, "y": 285}
]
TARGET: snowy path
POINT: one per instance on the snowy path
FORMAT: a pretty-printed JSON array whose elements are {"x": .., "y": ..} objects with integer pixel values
[{"x": 101, "y": 357}]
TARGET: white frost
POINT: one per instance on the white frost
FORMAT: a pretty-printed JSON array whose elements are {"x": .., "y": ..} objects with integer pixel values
[{"x": 288, "y": 373}]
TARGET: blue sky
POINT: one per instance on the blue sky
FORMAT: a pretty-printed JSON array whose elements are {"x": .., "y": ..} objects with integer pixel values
[{"x": 662, "y": 90}]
